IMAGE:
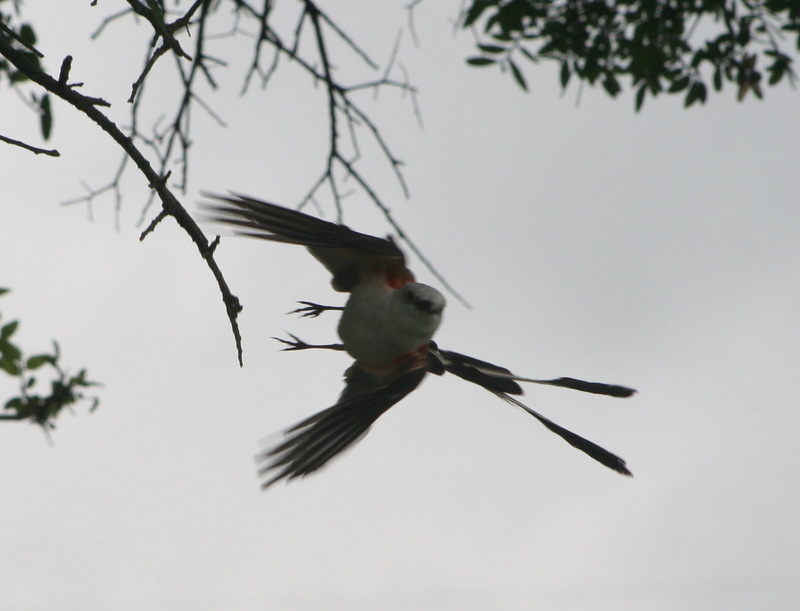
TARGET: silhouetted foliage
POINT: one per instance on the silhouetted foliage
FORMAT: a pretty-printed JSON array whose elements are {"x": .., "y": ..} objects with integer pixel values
[
  {"x": 33, "y": 374},
  {"x": 658, "y": 46}
]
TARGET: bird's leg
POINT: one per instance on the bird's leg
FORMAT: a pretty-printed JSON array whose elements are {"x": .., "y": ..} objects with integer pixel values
[
  {"x": 312, "y": 310},
  {"x": 298, "y": 344}
]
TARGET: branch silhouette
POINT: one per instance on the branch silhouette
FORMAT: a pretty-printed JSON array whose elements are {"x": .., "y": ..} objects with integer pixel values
[
  {"x": 171, "y": 206},
  {"x": 162, "y": 156}
]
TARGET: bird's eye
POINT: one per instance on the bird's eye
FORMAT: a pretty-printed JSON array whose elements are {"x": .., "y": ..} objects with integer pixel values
[
  {"x": 424, "y": 305},
  {"x": 417, "y": 302}
]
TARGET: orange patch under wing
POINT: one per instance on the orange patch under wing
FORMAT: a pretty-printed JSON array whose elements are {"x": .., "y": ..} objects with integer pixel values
[{"x": 399, "y": 276}]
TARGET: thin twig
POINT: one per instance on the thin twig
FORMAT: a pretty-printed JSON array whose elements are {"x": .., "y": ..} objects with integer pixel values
[
  {"x": 31, "y": 148},
  {"x": 9, "y": 32}
]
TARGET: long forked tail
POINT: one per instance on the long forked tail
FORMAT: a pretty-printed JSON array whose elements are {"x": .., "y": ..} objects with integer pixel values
[
  {"x": 601, "y": 455},
  {"x": 501, "y": 382},
  {"x": 477, "y": 371}
]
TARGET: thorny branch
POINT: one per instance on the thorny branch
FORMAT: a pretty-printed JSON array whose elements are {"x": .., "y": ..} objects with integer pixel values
[
  {"x": 170, "y": 204},
  {"x": 28, "y": 147},
  {"x": 170, "y": 139},
  {"x": 341, "y": 107},
  {"x": 340, "y": 102}
]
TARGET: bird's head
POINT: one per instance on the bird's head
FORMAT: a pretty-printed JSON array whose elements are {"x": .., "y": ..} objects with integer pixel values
[{"x": 419, "y": 307}]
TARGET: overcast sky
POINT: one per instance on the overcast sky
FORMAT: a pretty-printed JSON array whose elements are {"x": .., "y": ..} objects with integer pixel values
[{"x": 658, "y": 250}]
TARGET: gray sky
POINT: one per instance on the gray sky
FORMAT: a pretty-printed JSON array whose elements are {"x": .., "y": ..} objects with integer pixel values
[{"x": 657, "y": 250}]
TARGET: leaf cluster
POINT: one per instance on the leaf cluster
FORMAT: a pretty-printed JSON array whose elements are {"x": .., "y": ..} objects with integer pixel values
[
  {"x": 34, "y": 403},
  {"x": 656, "y": 45}
]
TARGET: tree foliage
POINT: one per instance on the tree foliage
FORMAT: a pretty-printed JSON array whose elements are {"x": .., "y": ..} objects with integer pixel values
[
  {"x": 658, "y": 46},
  {"x": 35, "y": 403}
]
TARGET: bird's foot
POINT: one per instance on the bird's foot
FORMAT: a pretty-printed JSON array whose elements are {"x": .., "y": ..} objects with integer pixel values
[
  {"x": 312, "y": 310},
  {"x": 298, "y": 344}
]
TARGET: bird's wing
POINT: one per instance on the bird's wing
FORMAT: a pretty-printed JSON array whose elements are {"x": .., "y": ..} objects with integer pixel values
[
  {"x": 310, "y": 444},
  {"x": 347, "y": 254}
]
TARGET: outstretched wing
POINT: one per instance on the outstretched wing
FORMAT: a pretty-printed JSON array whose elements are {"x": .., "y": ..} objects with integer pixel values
[
  {"x": 310, "y": 444},
  {"x": 347, "y": 254}
]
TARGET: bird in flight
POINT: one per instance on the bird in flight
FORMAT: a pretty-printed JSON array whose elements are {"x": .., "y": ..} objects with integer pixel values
[{"x": 387, "y": 327}]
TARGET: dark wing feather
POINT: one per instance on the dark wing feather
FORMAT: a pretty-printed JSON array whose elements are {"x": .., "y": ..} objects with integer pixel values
[
  {"x": 311, "y": 443},
  {"x": 347, "y": 254}
]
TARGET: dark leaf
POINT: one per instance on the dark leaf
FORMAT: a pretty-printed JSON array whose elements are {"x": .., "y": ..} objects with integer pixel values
[
  {"x": 27, "y": 34},
  {"x": 640, "y": 96},
  {"x": 718, "y": 80},
  {"x": 565, "y": 74},
  {"x": 655, "y": 86},
  {"x": 17, "y": 77},
  {"x": 9, "y": 351},
  {"x": 46, "y": 116},
  {"x": 546, "y": 48},
  {"x": 16, "y": 404},
  {"x": 529, "y": 55},
  {"x": 474, "y": 12},
  {"x": 38, "y": 360},
  {"x": 491, "y": 48},
  {"x": 8, "y": 329},
  {"x": 697, "y": 92},
  {"x": 518, "y": 76},
  {"x": 10, "y": 365},
  {"x": 481, "y": 61},
  {"x": 679, "y": 85},
  {"x": 611, "y": 85},
  {"x": 501, "y": 37}
]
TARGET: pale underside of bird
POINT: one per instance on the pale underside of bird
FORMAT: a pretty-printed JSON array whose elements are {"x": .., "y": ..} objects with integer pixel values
[{"x": 387, "y": 326}]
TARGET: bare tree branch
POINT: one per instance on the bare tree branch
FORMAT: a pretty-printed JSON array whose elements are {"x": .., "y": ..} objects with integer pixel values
[
  {"x": 33, "y": 149},
  {"x": 171, "y": 206},
  {"x": 168, "y": 142}
]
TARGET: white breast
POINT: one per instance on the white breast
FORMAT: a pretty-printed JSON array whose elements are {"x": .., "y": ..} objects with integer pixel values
[{"x": 379, "y": 324}]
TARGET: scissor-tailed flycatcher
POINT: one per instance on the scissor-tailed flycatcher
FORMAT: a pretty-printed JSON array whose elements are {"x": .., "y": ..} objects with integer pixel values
[{"x": 387, "y": 326}]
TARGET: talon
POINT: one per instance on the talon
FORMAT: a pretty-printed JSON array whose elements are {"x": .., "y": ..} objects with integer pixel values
[
  {"x": 296, "y": 344},
  {"x": 312, "y": 310}
]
